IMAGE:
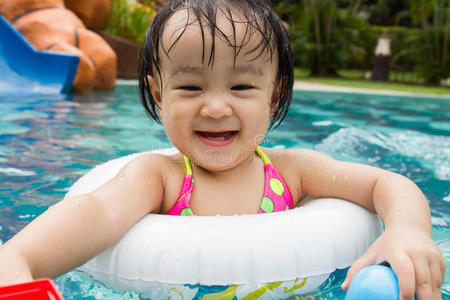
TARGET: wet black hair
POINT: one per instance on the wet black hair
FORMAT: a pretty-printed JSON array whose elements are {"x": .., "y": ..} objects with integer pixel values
[{"x": 258, "y": 17}]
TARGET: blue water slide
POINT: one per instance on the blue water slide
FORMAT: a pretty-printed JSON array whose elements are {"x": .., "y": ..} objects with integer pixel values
[{"x": 24, "y": 70}]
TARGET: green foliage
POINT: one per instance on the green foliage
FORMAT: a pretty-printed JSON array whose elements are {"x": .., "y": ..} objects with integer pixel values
[
  {"x": 430, "y": 65},
  {"x": 431, "y": 71},
  {"x": 389, "y": 12},
  {"x": 426, "y": 48},
  {"x": 326, "y": 38},
  {"x": 130, "y": 19}
]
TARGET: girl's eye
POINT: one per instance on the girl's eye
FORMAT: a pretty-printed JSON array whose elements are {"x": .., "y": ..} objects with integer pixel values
[
  {"x": 241, "y": 87},
  {"x": 190, "y": 88}
]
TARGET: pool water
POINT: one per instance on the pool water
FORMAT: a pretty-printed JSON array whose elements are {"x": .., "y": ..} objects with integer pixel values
[{"x": 47, "y": 142}]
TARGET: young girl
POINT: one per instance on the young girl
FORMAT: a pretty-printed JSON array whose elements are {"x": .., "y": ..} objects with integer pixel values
[{"x": 218, "y": 74}]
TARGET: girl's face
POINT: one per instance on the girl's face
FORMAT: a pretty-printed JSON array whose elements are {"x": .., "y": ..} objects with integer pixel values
[{"x": 218, "y": 114}]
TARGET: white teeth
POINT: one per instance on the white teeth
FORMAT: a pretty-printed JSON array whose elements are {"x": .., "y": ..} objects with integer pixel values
[{"x": 219, "y": 138}]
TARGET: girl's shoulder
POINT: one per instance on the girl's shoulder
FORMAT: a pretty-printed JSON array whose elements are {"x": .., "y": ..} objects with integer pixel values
[
  {"x": 147, "y": 169},
  {"x": 171, "y": 172},
  {"x": 291, "y": 157},
  {"x": 138, "y": 180},
  {"x": 145, "y": 163},
  {"x": 154, "y": 163}
]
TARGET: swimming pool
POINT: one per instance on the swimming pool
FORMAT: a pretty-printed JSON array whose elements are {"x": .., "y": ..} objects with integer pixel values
[{"x": 46, "y": 143}]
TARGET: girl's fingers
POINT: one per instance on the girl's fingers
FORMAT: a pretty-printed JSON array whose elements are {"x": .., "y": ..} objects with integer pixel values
[
  {"x": 404, "y": 269},
  {"x": 424, "y": 288},
  {"x": 436, "y": 278},
  {"x": 367, "y": 259}
]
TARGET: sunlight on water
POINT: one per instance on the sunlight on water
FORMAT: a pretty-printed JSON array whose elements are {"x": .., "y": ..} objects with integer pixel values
[
  {"x": 46, "y": 143},
  {"x": 430, "y": 152}
]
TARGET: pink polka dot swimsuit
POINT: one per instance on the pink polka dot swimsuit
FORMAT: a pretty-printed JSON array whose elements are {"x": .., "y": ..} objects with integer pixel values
[{"x": 276, "y": 197}]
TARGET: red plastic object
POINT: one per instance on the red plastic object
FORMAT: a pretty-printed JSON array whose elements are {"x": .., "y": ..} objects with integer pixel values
[{"x": 41, "y": 289}]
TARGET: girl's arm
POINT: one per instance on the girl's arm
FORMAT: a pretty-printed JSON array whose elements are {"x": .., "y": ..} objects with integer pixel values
[
  {"x": 406, "y": 244},
  {"x": 79, "y": 227}
]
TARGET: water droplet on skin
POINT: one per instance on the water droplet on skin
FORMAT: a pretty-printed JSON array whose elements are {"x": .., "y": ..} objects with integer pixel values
[
  {"x": 334, "y": 177},
  {"x": 345, "y": 178}
]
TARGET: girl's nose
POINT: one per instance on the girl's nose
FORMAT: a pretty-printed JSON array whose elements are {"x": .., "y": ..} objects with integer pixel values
[{"x": 216, "y": 107}]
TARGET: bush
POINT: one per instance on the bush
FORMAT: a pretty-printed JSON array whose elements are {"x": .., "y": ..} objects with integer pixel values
[
  {"x": 430, "y": 59},
  {"x": 130, "y": 19},
  {"x": 326, "y": 38},
  {"x": 431, "y": 71}
]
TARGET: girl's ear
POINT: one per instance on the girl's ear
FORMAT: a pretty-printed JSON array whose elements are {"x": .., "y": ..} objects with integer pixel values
[
  {"x": 155, "y": 89},
  {"x": 275, "y": 100}
]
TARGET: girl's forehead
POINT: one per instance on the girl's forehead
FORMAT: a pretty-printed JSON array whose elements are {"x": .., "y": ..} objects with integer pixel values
[
  {"x": 185, "y": 18},
  {"x": 230, "y": 27}
]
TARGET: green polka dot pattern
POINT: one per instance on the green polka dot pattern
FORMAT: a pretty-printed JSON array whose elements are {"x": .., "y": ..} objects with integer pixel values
[
  {"x": 186, "y": 212},
  {"x": 276, "y": 186},
  {"x": 267, "y": 205}
]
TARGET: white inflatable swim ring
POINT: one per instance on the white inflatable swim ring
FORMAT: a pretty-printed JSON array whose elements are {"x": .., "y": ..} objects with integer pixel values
[{"x": 266, "y": 256}]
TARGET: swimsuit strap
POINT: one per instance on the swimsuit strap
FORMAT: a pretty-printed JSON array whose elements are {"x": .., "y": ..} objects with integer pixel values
[
  {"x": 263, "y": 156},
  {"x": 187, "y": 164},
  {"x": 276, "y": 196},
  {"x": 181, "y": 207}
]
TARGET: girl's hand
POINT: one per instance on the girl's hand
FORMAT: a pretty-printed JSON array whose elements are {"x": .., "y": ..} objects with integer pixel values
[{"x": 415, "y": 259}]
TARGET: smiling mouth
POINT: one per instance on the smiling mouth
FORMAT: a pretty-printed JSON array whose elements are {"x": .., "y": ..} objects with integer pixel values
[{"x": 217, "y": 138}]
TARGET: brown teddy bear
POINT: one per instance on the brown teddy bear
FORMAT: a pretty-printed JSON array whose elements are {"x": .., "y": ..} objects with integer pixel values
[
  {"x": 94, "y": 14},
  {"x": 49, "y": 25}
]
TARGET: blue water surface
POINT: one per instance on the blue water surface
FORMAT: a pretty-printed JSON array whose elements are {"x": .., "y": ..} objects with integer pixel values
[{"x": 47, "y": 142}]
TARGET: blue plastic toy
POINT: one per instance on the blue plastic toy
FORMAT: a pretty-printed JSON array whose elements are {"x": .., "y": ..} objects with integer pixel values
[
  {"x": 23, "y": 70},
  {"x": 374, "y": 283}
]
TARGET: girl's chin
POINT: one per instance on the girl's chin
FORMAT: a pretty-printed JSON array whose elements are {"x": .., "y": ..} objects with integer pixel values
[{"x": 215, "y": 161}]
